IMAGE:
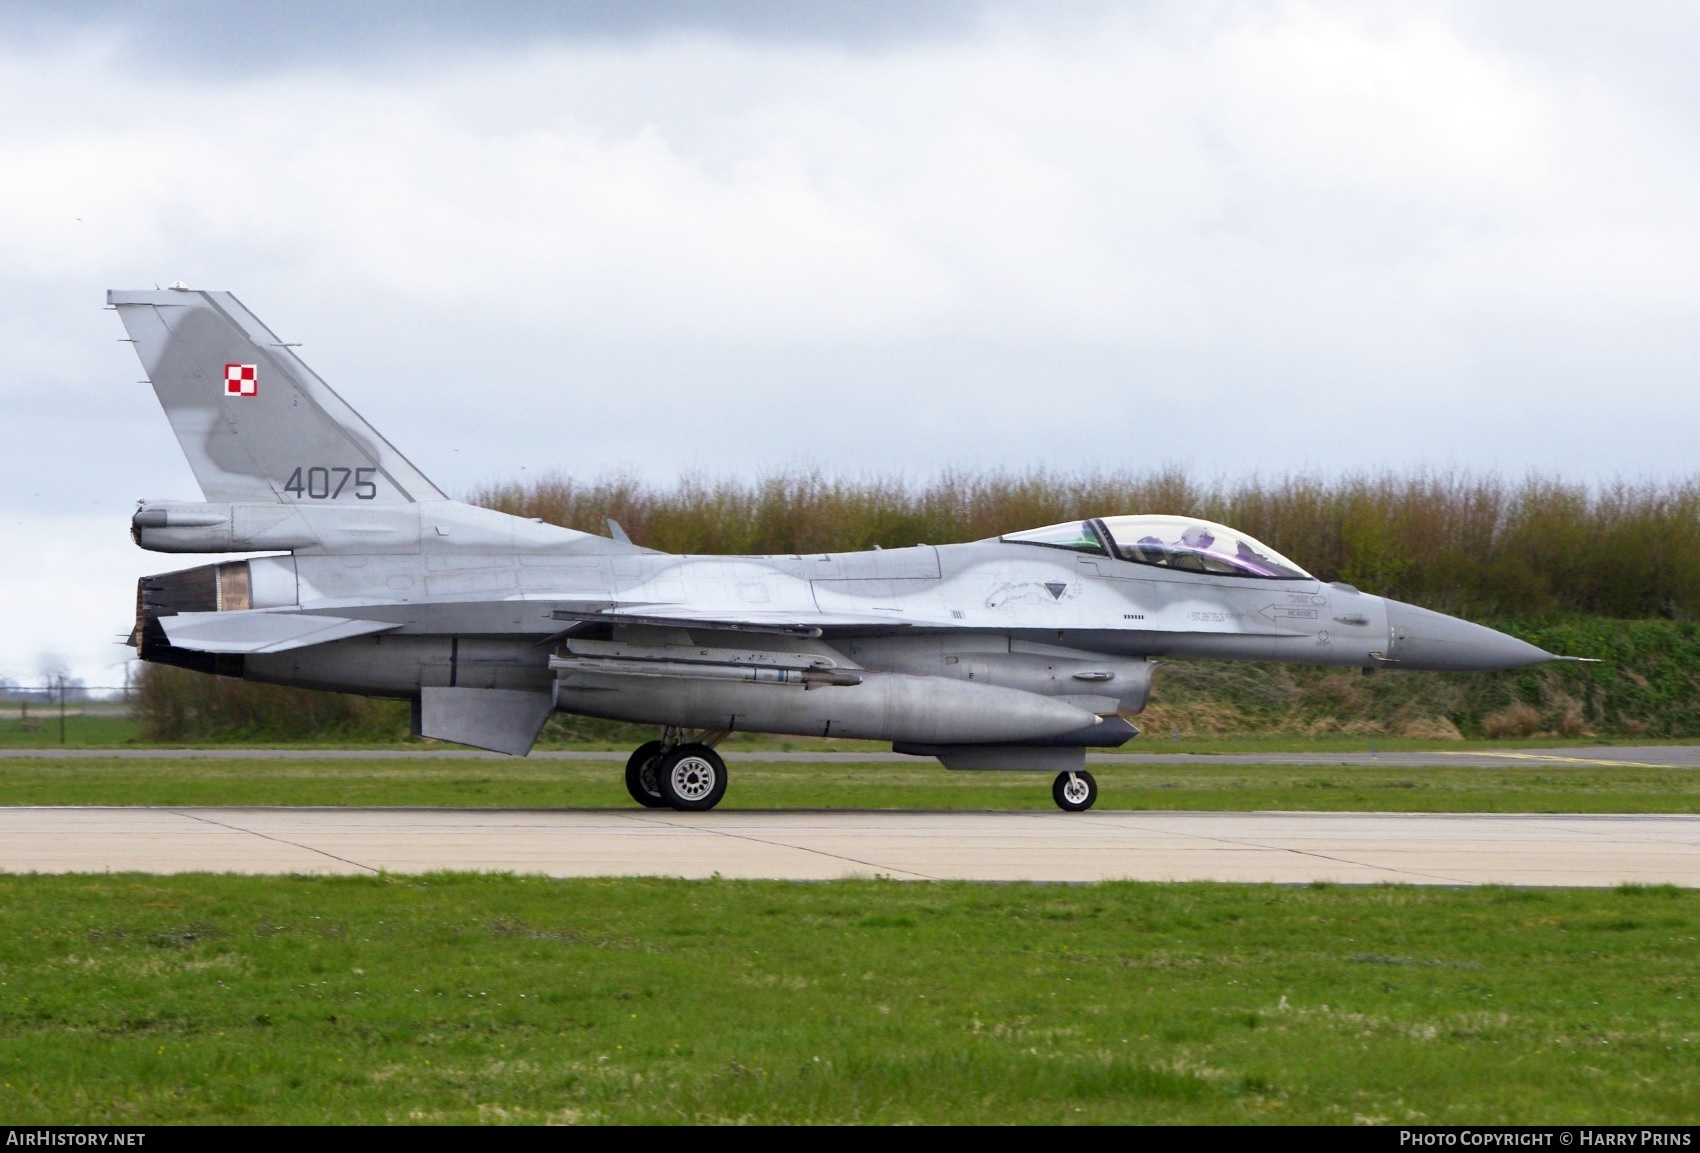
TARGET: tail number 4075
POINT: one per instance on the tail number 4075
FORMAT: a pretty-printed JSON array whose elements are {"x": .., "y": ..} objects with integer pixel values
[{"x": 318, "y": 483}]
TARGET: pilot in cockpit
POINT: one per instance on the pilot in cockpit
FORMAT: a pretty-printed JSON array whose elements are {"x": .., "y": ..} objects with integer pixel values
[
  {"x": 1170, "y": 542},
  {"x": 1189, "y": 552},
  {"x": 1152, "y": 550},
  {"x": 1197, "y": 550}
]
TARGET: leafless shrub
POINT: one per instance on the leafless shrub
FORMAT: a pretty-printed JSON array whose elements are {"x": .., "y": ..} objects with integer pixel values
[
  {"x": 1431, "y": 729},
  {"x": 1518, "y": 720}
]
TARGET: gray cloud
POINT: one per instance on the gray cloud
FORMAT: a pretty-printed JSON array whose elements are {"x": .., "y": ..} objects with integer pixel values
[{"x": 210, "y": 37}]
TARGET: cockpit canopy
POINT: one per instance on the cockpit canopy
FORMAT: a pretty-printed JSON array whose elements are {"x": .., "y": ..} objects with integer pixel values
[{"x": 1177, "y": 542}]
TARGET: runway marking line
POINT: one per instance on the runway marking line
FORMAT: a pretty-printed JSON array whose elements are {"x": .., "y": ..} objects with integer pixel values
[
  {"x": 646, "y": 819},
  {"x": 1396, "y": 872},
  {"x": 1549, "y": 759},
  {"x": 278, "y": 840}
]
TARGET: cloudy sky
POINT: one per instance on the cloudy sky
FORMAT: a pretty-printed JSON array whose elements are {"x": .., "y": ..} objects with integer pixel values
[{"x": 729, "y": 237}]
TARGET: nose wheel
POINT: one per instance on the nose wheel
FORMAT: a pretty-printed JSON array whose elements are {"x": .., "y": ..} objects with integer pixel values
[{"x": 1074, "y": 792}]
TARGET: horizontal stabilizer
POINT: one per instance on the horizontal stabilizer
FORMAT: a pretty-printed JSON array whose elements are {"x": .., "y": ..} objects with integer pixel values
[
  {"x": 261, "y": 632},
  {"x": 501, "y": 720}
]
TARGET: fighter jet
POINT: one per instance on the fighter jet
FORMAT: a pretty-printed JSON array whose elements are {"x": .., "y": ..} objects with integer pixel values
[{"x": 1015, "y": 653}]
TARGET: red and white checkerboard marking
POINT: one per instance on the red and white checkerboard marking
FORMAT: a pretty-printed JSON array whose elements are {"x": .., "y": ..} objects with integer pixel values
[{"x": 241, "y": 380}]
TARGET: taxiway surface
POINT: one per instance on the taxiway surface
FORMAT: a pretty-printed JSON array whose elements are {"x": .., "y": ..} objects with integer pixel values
[{"x": 1355, "y": 848}]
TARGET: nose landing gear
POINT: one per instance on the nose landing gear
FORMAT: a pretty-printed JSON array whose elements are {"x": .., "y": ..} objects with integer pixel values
[{"x": 1074, "y": 792}]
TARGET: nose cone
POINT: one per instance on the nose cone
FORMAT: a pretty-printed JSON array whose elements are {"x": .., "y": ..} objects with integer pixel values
[{"x": 1422, "y": 639}]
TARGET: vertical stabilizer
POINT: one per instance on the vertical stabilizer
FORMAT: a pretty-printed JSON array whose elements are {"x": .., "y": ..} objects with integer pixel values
[{"x": 255, "y": 422}]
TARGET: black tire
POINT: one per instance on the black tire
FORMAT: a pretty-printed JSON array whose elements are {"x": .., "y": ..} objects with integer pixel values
[
  {"x": 640, "y": 775},
  {"x": 1070, "y": 795},
  {"x": 691, "y": 778}
]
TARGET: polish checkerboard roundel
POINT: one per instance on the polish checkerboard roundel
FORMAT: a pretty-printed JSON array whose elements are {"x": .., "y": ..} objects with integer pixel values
[{"x": 241, "y": 380}]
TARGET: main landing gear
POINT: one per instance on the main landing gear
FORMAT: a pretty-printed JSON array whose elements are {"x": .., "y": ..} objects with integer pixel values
[
  {"x": 674, "y": 774},
  {"x": 1074, "y": 792}
]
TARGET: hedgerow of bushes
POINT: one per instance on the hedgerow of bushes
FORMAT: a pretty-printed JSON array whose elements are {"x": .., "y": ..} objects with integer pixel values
[{"x": 1477, "y": 546}]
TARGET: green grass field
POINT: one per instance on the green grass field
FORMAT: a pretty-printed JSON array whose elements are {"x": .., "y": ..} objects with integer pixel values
[
  {"x": 450, "y": 998},
  {"x": 115, "y": 731},
  {"x": 921, "y": 785},
  {"x": 42, "y": 730}
]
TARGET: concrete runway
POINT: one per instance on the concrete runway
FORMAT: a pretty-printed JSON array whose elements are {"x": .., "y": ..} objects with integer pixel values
[
  {"x": 1625, "y": 756},
  {"x": 1354, "y": 848}
]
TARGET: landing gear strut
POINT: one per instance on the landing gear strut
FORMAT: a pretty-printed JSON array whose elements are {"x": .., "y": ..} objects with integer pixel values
[
  {"x": 1074, "y": 792},
  {"x": 688, "y": 776}
]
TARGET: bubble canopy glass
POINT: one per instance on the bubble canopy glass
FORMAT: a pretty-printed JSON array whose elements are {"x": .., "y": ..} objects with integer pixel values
[
  {"x": 1076, "y": 534},
  {"x": 1177, "y": 542}
]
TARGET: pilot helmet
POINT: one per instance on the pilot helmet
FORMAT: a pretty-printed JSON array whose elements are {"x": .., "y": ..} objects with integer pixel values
[{"x": 1198, "y": 536}]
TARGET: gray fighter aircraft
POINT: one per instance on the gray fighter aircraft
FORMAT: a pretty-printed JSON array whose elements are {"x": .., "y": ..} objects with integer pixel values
[{"x": 1019, "y": 652}]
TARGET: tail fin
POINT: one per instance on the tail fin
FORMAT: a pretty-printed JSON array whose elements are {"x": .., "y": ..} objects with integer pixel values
[{"x": 255, "y": 422}]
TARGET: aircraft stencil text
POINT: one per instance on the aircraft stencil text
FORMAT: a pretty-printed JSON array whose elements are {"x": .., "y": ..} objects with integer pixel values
[{"x": 320, "y": 483}]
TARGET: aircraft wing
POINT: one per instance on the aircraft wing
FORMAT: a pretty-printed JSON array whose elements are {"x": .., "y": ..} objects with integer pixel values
[
  {"x": 260, "y": 631},
  {"x": 784, "y": 623}
]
